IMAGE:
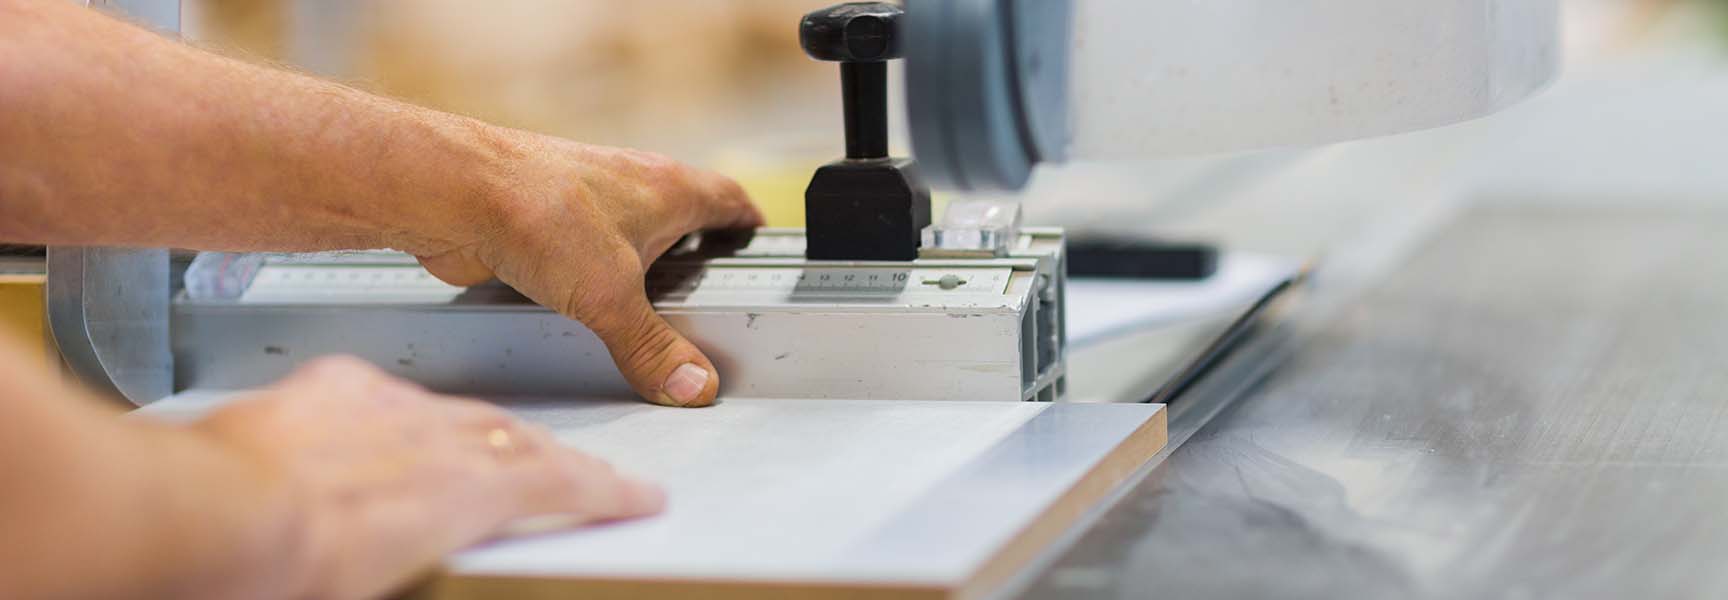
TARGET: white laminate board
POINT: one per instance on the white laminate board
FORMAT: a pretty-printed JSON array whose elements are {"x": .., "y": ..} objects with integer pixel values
[
  {"x": 756, "y": 488},
  {"x": 893, "y": 492},
  {"x": 914, "y": 492}
]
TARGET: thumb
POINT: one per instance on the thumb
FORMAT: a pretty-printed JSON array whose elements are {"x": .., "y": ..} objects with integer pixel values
[{"x": 660, "y": 364}]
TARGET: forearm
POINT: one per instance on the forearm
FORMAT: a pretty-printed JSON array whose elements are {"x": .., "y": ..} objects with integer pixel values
[
  {"x": 112, "y": 135},
  {"x": 94, "y": 506}
]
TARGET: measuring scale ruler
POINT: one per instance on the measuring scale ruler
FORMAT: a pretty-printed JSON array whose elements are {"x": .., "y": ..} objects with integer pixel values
[{"x": 777, "y": 325}]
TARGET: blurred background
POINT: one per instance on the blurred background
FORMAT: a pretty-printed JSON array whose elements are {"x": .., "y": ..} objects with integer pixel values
[
  {"x": 717, "y": 82},
  {"x": 1637, "y": 115}
]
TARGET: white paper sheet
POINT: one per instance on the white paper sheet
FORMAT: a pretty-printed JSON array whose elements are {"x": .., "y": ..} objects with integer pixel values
[{"x": 1099, "y": 309}]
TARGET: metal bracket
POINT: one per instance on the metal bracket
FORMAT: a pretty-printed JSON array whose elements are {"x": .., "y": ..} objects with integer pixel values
[
  {"x": 108, "y": 307},
  {"x": 108, "y": 312}
]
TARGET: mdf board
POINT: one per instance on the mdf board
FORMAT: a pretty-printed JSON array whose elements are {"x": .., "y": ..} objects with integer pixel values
[
  {"x": 22, "y": 317},
  {"x": 810, "y": 498},
  {"x": 821, "y": 498}
]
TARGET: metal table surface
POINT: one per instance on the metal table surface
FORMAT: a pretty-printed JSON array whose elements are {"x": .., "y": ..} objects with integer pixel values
[{"x": 1530, "y": 404}]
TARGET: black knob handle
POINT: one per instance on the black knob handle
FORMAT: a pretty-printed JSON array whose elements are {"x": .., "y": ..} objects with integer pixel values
[
  {"x": 867, "y": 206},
  {"x": 862, "y": 36},
  {"x": 852, "y": 32}
]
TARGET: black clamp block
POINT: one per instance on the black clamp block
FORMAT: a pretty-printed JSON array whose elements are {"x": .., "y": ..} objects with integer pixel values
[{"x": 867, "y": 206}]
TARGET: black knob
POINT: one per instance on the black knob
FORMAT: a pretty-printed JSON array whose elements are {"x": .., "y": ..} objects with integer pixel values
[
  {"x": 867, "y": 206},
  {"x": 852, "y": 32}
]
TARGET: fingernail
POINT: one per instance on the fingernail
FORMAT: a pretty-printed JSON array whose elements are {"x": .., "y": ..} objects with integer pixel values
[{"x": 686, "y": 383}]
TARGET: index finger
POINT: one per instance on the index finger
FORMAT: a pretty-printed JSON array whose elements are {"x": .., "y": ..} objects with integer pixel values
[
  {"x": 723, "y": 204},
  {"x": 567, "y": 488}
]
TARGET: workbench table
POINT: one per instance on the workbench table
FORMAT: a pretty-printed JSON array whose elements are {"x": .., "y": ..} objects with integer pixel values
[{"x": 1529, "y": 404}]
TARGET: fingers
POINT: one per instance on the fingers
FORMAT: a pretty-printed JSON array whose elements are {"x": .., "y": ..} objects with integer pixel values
[
  {"x": 721, "y": 203},
  {"x": 387, "y": 478},
  {"x": 537, "y": 483},
  {"x": 336, "y": 376},
  {"x": 693, "y": 198},
  {"x": 662, "y": 366},
  {"x": 554, "y": 487},
  {"x": 335, "y": 368},
  {"x": 570, "y": 488},
  {"x": 457, "y": 268}
]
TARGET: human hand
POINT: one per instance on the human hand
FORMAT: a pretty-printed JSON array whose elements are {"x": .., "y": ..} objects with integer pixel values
[
  {"x": 388, "y": 478},
  {"x": 577, "y": 227}
]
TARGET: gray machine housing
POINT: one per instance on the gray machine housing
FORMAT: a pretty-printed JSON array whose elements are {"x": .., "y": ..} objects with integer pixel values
[{"x": 987, "y": 92}]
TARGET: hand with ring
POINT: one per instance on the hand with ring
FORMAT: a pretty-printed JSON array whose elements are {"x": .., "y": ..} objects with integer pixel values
[{"x": 390, "y": 477}]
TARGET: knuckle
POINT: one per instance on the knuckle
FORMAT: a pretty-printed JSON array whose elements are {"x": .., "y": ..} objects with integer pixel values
[
  {"x": 607, "y": 303},
  {"x": 488, "y": 417},
  {"x": 530, "y": 448},
  {"x": 668, "y": 179},
  {"x": 657, "y": 164},
  {"x": 646, "y": 340}
]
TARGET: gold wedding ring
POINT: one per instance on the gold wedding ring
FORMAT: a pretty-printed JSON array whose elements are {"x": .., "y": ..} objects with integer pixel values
[{"x": 500, "y": 440}]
